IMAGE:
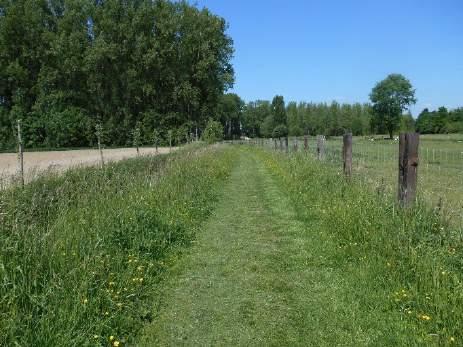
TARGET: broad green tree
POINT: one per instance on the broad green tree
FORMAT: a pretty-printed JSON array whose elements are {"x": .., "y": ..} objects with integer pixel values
[{"x": 390, "y": 98}]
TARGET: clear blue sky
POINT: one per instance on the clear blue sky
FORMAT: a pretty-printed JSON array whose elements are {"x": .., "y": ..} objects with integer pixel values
[{"x": 328, "y": 50}]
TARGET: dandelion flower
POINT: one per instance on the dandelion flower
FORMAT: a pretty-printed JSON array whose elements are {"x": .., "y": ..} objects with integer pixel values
[
  {"x": 116, "y": 343},
  {"x": 425, "y": 317},
  {"x": 111, "y": 338},
  {"x": 452, "y": 339}
]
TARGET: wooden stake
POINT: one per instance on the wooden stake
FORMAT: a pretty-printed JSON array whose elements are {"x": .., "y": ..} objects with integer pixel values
[
  {"x": 306, "y": 142},
  {"x": 20, "y": 155},
  {"x": 347, "y": 154},
  {"x": 320, "y": 147},
  {"x": 408, "y": 167}
]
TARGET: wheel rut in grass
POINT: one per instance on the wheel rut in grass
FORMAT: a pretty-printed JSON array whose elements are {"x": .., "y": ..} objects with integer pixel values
[{"x": 241, "y": 281}]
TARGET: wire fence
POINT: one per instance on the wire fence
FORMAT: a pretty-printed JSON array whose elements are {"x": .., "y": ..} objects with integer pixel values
[{"x": 375, "y": 163}]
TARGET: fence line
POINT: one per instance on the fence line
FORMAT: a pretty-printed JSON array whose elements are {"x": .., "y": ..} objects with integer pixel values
[{"x": 440, "y": 172}]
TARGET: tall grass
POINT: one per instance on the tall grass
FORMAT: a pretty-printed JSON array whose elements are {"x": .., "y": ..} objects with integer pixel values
[
  {"x": 407, "y": 263},
  {"x": 81, "y": 253}
]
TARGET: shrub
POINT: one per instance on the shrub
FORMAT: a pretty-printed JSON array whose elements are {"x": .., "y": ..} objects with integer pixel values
[
  {"x": 213, "y": 132},
  {"x": 280, "y": 131}
]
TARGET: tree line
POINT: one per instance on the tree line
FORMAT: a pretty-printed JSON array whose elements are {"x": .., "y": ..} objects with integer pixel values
[
  {"x": 441, "y": 121},
  {"x": 69, "y": 65},
  {"x": 387, "y": 113}
]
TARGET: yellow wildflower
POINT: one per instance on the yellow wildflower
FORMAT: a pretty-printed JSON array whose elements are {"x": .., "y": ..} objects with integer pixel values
[
  {"x": 452, "y": 339},
  {"x": 111, "y": 338},
  {"x": 425, "y": 317},
  {"x": 116, "y": 343},
  {"x": 85, "y": 301}
]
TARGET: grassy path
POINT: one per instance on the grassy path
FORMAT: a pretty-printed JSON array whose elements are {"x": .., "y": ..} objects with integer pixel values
[{"x": 254, "y": 277}]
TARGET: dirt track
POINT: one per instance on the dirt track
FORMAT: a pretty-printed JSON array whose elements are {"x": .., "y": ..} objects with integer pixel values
[{"x": 37, "y": 162}]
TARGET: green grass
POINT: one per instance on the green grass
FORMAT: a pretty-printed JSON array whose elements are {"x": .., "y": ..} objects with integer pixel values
[
  {"x": 295, "y": 255},
  {"x": 235, "y": 246},
  {"x": 395, "y": 262},
  {"x": 440, "y": 178},
  {"x": 82, "y": 253}
]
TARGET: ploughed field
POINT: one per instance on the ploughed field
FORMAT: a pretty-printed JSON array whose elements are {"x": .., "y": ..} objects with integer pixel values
[{"x": 35, "y": 163}]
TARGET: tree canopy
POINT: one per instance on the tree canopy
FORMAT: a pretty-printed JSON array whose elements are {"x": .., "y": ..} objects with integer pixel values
[
  {"x": 390, "y": 98},
  {"x": 307, "y": 118},
  {"x": 66, "y": 65},
  {"x": 440, "y": 121}
]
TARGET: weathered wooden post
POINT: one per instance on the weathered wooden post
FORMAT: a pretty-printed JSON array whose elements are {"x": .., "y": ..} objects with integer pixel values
[
  {"x": 320, "y": 147},
  {"x": 276, "y": 144},
  {"x": 347, "y": 154},
  {"x": 281, "y": 144},
  {"x": 286, "y": 144},
  {"x": 408, "y": 167},
  {"x": 295, "y": 145},
  {"x": 306, "y": 142},
  {"x": 20, "y": 155}
]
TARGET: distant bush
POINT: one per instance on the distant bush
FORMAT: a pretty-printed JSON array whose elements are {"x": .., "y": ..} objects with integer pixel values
[
  {"x": 280, "y": 131},
  {"x": 213, "y": 132}
]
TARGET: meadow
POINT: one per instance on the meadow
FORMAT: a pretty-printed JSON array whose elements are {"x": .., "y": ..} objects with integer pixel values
[
  {"x": 230, "y": 244},
  {"x": 375, "y": 162}
]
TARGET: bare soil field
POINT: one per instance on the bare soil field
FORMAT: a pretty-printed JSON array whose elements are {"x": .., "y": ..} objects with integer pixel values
[{"x": 58, "y": 161}]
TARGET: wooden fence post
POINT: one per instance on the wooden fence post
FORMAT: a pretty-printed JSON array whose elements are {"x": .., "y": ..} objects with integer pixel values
[
  {"x": 306, "y": 142},
  {"x": 347, "y": 154},
  {"x": 286, "y": 144},
  {"x": 276, "y": 144},
  {"x": 320, "y": 147},
  {"x": 295, "y": 144},
  {"x": 20, "y": 155},
  {"x": 408, "y": 167},
  {"x": 281, "y": 144}
]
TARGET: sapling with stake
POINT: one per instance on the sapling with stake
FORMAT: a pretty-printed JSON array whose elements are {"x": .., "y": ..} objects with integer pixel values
[
  {"x": 170, "y": 134},
  {"x": 20, "y": 155},
  {"x": 137, "y": 138},
  {"x": 99, "y": 135},
  {"x": 156, "y": 138}
]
